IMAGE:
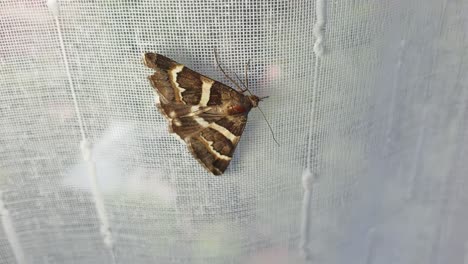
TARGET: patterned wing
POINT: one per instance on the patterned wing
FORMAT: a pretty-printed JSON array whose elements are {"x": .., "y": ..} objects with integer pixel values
[
  {"x": 177, "y": 84},
  {"x": 214, "y": 145},
  {"x": 191, "y": 103},
  {"x": 211, "y": 138}
]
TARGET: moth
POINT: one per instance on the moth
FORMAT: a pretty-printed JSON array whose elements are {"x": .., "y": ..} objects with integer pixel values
[{"x": 207, "y": 115}]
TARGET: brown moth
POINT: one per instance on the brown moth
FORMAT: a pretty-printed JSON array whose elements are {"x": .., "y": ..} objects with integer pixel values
[{"x": 208, "y": 115}]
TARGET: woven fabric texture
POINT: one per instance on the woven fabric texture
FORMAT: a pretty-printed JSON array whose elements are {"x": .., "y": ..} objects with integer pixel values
[{"x": 368, "y": 100}]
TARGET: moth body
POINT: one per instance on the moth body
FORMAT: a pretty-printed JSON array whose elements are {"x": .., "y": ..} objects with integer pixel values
[{"x": 208, "y": 115}]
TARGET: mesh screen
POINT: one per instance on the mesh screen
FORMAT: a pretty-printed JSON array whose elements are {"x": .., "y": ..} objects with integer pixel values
[{"x": 368, "y": 100}]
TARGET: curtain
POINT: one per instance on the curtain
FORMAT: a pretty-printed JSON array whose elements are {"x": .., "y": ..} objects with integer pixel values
[{"x": 367, "y": 99}]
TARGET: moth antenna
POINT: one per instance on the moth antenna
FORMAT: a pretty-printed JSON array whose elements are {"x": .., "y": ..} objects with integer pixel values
[
  {"x": 222, "y": 70},
  {"x": 246, "y": 88},
  {"x": 246, "y": 84},
  {"x": 247, "y": 75},
  {"x": 271, "y": 129},
  {"x": 241, "y": 82}
]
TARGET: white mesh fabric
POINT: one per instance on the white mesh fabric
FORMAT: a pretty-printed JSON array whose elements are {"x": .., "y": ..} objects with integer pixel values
[{"x": 368, "y": 100}]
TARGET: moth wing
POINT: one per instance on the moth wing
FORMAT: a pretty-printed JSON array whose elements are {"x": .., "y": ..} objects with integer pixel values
[
  {"x": 214, "y": 145},
  {"x": 189, "y": 100},
  {"x": 177, "y": 84},
  {"x": 211, "y": 137}
]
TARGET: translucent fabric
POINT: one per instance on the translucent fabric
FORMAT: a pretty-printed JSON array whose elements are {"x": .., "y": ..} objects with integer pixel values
[{"x": 368, "y": 100}]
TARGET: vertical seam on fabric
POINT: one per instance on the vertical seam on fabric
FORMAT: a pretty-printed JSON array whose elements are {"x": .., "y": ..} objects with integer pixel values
[
  {"x": 10, "y": 232},
  {"x": 85, "y": 144},
  {"x": 307, "y": 176}
]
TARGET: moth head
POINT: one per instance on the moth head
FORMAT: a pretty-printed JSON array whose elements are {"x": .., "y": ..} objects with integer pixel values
[{"x": 254, "y": 100}]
